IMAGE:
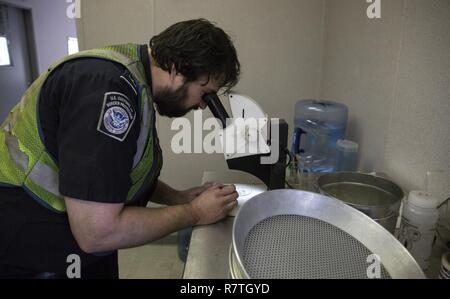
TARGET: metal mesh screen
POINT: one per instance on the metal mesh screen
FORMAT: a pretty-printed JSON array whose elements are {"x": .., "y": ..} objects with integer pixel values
[{"x": 299, "y": 247}]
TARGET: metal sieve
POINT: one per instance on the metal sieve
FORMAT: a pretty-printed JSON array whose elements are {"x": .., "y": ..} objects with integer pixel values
[{"x": 296, "y": 234}]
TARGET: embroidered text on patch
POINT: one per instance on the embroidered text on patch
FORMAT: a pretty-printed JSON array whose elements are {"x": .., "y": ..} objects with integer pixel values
[{"x": 117, "y": 116}]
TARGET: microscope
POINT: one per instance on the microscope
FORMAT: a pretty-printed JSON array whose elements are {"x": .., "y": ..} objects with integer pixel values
[{"x": 252, "y": 142}]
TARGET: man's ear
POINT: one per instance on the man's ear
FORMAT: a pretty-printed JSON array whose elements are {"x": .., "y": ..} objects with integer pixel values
[
  {"x": 175, "y": 77},
  {"x": 173, "y": 73}
]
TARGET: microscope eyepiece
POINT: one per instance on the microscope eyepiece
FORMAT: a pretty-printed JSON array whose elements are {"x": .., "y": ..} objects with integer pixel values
[{"x": 217, "y": 108}]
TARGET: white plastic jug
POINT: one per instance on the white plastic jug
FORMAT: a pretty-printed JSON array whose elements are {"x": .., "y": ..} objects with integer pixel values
[{"x": 418, "y": 225}]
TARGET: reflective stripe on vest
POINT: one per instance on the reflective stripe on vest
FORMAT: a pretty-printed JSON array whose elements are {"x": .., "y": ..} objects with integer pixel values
[
  {"x": 19, "y": 157},
  {"x": 144, "y": 133},
  {"x": 45, "y": 177}
]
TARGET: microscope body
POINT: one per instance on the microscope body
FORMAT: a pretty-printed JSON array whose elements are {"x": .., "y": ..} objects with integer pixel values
[{"x": 252, "y": 142}]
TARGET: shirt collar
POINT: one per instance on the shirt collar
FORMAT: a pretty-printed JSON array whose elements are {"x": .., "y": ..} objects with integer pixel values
[{"x": 145, "y": 59}]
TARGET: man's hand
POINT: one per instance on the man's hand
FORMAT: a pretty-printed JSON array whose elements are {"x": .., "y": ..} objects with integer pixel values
[
  {"x": 189, "y": 195},
  {"x": 166, "y": 195},
  {"x": 214, "y": 204}
]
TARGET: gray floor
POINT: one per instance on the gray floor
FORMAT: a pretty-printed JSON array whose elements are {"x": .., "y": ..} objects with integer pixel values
[{"x": 158, "y": 260}]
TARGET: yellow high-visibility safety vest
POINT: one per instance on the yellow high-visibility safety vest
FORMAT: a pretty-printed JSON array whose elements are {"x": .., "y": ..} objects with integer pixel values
[{"x": 24, "y": 161}]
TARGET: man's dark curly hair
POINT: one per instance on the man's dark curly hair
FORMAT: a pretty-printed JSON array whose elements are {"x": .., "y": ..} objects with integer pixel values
[{"x": 197, "y": 48}]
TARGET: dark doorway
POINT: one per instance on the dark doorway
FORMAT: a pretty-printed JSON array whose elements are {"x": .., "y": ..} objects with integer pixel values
[{"x": 18, "y": 62}]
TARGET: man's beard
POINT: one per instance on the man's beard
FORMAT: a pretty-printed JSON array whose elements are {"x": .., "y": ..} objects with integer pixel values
[{"x": 171, "y": 103}]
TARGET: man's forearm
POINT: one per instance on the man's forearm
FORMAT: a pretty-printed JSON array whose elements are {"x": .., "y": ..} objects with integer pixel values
[
  {"x": 164, "y": 194},
  {"x": 138, "y": 226},
  {"x": 102, "y": 227}
]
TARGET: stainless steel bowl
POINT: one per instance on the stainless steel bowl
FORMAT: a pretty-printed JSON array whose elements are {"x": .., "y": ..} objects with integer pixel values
[{"x": 377, "y": 197}]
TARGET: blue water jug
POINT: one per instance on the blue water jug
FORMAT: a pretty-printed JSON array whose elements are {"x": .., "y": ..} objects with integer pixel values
[{"x": 318, "y": 127}]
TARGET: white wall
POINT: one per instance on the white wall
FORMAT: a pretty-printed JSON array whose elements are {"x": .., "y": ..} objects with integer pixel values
[
  {"x": 360, "y": 69},
  {"x": 394, "y": 74},
  {"x": 109, "y": 22},
  {"x": 279, "y": 44},
  {"x": 52, "y": 27}
]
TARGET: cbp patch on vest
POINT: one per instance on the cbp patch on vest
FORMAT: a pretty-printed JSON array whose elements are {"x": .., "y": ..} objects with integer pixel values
[{"x": 117, "y": 116}]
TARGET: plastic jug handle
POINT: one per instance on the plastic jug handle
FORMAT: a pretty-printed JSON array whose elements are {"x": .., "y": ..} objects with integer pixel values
[
  {"x": 297, "y": 138},
  {"x": 443, "y": 202}
]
